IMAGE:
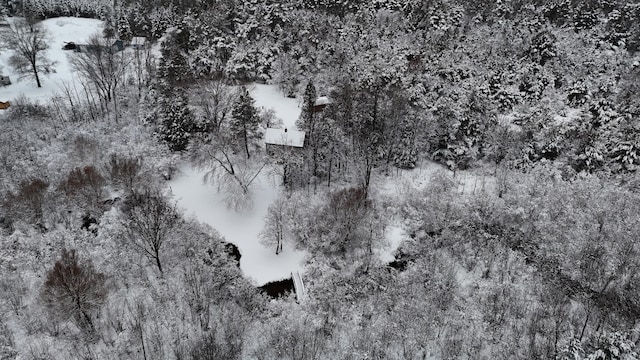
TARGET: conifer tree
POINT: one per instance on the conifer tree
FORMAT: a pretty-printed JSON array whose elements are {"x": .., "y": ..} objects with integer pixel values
[
  {"x": 244, "y": 120},
  {"x": 174, "y": 66},
  {"x": 306, "y": 120},
  {"x": 124, "y": 29},
  {"x": 177, "y": 122},
  {"x": 108, "y": 27},
  {"x": 307, "y": 123}
]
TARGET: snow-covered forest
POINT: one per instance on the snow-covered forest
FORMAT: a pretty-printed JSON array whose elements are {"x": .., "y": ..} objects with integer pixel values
[{"x": 467, "y": 186}]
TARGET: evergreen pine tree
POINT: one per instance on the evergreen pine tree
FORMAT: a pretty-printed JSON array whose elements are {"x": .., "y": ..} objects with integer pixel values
[
  {"x": 173, "y": 67},
  {"x": 404, "y": 154},
  {"x": 307, "y": 116},
  {"x": 108, "y": 28},
  {"x": 244, "y": 120},
  {"x": 176, "y": 121},
  {"x": 124, "y": 29},
  {"x": 307, "y": 123}
]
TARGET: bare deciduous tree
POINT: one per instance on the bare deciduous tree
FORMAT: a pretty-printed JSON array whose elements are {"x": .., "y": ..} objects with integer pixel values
[
  {"x": 74, "y": 290},
  {"x": 144, "y": 68},
  {"x": 29, "y": 44},
  {"x": 124, "y": 171},
  {"x": 102, "y": 66},
  {"x": 225, "y": 340},
  {"x": 29, "y": 203},
  {"x": 14, "y": 292},
  {"x": 275, "y": 226},
  {"x": 232, "y": 174},
  {"x": 84, "y": 185},
  {"x": 150, "y": 220},
  {"x": 216, "y": 100},
  {"x": 229, "y": 126}
]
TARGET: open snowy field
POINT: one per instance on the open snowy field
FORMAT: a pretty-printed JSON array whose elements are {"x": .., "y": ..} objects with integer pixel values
[{"x": 61, "y": 30}]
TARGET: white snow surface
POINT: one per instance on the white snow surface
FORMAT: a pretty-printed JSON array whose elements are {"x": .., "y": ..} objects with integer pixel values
[
  {"x": 322, "y": 100},
  {"x": 240, "y": 228},
  {"x": 269, "y": 97},
  {"x": 61, "y": 30},
  {"x": 243, "y": 228},
  {"x": 394, "y": 235},
  {"x": 567, "y": 116},
  {"x": 200, "y": 199}
]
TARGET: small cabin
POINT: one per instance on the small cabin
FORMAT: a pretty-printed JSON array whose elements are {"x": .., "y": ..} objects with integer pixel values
[
  {"x": 4, "y": 80},
  {"x": 321, "y": 103},
  {"x": 4, "y": 105},
  {"x": 275, "y": 139},
  {"x": 138, "y": 42}
]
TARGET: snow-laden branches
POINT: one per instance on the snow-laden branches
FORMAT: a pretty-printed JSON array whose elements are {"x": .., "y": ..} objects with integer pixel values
[{"x": 29, "y": 43}]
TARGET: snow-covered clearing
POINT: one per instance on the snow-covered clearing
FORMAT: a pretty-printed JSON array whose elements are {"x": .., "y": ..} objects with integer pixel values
[
  {"x": 203, "y": 200},
  {"x": 394, "y": 236},
  {"x": 61, "y": 30},
  {"x": 243, "y": 228},
  {"x": 567, "y": 116},
  {"x": 269, "y": 97},
  {"x": 240, "y": 228}
]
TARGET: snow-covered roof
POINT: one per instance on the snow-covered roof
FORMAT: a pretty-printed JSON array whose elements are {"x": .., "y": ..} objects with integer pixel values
[
  {"x": 138, "y": 40},
  {"x": 322, "y": 100},
  {"x": 285, "y": 137}
]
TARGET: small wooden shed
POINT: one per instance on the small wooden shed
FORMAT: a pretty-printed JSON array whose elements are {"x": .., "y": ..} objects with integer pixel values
[{"x": 4, "y": 105}]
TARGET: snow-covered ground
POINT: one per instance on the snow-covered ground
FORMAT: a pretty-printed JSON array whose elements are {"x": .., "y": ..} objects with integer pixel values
[
  {"x": 402, "y": 183},
  {"x": 394, "y": 236},
  {"x": 269, "y": 97},
  {"x": 242, "y": 228},
  {"x": 203, "y": 200},
  {"x": 61, "y": 30}
]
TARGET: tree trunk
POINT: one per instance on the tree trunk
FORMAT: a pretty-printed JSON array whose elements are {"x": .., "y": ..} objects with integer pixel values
[
  {"x": 144, "y": 350},
  {"x": 87, "y": 320},
  {"x": 279, "y": 236},
  {"x": 157, "y": 257},
  {"x": 330, "y": 169},
  {"x": 584, "y": 327},
  {"x": 246, "y": 140},
  {"x": 284, "y": 174},
  {"x": 35, "y": 73}
]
